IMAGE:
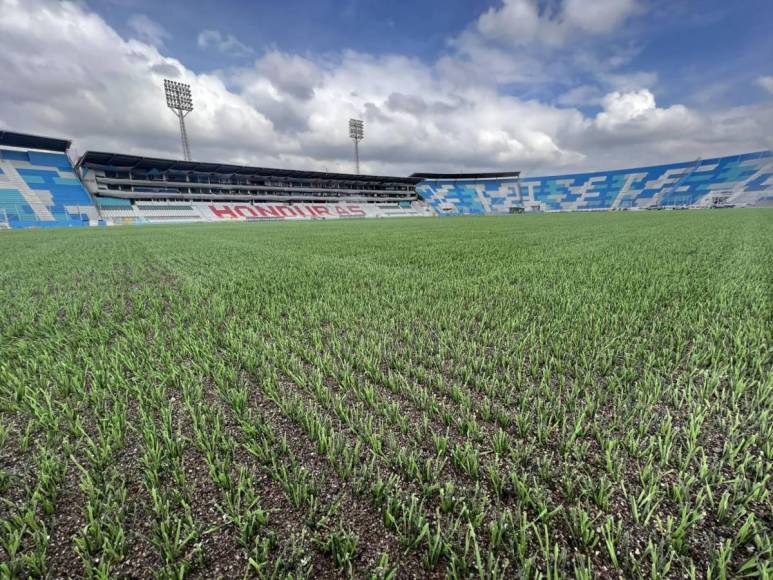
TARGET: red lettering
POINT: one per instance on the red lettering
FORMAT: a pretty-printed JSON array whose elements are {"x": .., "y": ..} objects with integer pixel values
[
  {"x": 241, "y": 209},
  {"x": 224, "y": 212},
  {"x": 266, "y": 211},
  {"x": 285, "y": 211}
]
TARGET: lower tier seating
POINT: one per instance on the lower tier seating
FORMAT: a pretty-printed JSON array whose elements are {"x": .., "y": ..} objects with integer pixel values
[
  {"x": 175, "y": 212},
  {"x": 39, "y": 189}
]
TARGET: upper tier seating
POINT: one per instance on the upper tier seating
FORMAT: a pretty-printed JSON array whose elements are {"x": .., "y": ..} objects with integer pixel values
[
  {"x": 40, "y": 189},
  {"x": 741, "y": 180}
]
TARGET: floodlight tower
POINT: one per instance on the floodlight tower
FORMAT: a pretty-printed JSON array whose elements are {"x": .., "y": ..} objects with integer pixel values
[
  {"x": 357, "y": 134},
  {"x": 178, "y": 99}
]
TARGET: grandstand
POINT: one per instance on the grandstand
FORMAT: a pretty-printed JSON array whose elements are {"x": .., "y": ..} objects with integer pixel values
[
  {"x": 40, "y": 187},
  {"x": 133, "y": 189},
  {"x": 739, "y": 180}
]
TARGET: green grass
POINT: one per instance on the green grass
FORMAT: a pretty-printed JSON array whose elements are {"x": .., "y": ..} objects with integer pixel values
[{"x": 555, "y": 395}]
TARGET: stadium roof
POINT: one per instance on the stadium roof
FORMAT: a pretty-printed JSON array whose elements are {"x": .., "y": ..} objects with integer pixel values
[
  {"x": 498, "y": 175},
  {"x": 24, "y": 141},
  {"x": 136, "y": 162}
]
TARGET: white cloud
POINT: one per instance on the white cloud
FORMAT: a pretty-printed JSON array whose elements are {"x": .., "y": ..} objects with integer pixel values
[
  {"x": 474, "y": 60},
  {"x": 626, "y": 82},
  {"x": 148, "y": 30},
  {"x": 289, "y": 74},
  {"x": 581, "y": 96},
  {"x": 291, "y": 110},
  {"x": 599, "y": 16},
  {"x": 224, "y": 43},
  {"x": 518, "y": 22},
  {"x": 636, "y": 112},
  {"x": 525, "y": 22},
  {"x": 766, "y": 83},
  {"x": 106, "y": 91}
]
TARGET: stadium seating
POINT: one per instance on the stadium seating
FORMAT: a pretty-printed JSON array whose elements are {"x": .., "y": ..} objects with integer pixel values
[
  {"x": 172, "y": 212},
  {"x": 40, "y": 189},
  {"x": 741, "y": 180}
]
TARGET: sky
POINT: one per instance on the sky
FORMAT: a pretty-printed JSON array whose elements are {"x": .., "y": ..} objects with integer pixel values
[{"x": 541, "y": 86}]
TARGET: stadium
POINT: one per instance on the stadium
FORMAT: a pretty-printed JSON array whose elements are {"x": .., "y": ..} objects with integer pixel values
[
  {"x": 43, "y": 187},
  {"x": 434, "y": 361}
]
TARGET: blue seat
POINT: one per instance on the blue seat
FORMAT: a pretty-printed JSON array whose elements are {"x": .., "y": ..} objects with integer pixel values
[
  {"x": 50, "y": 177},
  {"x": 685, "y": 183}
]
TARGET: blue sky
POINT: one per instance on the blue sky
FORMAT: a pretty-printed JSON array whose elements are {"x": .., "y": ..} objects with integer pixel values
[
  {"x": 420, "y": 28},
  {"x": 544, "y": 85},
  {"x": 689, "y": 43}
]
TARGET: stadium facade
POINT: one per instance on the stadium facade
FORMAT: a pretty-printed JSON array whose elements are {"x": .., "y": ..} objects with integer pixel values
[
  {"x": 40, "y": 186},
  {"x": 129, "y": 189}
]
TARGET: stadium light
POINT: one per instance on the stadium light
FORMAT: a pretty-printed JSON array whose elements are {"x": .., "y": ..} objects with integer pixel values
[
  {"x": 357, "y": 134},
  {"x": 179, "y": 100}
]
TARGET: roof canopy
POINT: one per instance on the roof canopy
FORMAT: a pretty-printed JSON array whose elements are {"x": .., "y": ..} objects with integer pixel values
[
  {"x": 24, "y": 141},
  {"x": 499, "y": 175},
  {"x": 148, "y": 163}
]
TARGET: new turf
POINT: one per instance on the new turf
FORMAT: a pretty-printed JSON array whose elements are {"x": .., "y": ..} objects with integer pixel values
[{"x": 492, "y": 397}]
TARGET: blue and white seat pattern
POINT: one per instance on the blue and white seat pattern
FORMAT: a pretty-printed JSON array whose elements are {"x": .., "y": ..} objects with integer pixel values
[
  {"x": 40, "y": 189},
  {"x": 741, "y": 180}
]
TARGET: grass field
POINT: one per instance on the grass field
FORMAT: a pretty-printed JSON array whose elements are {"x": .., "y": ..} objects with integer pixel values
[{"x": 564, "y": 395}]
